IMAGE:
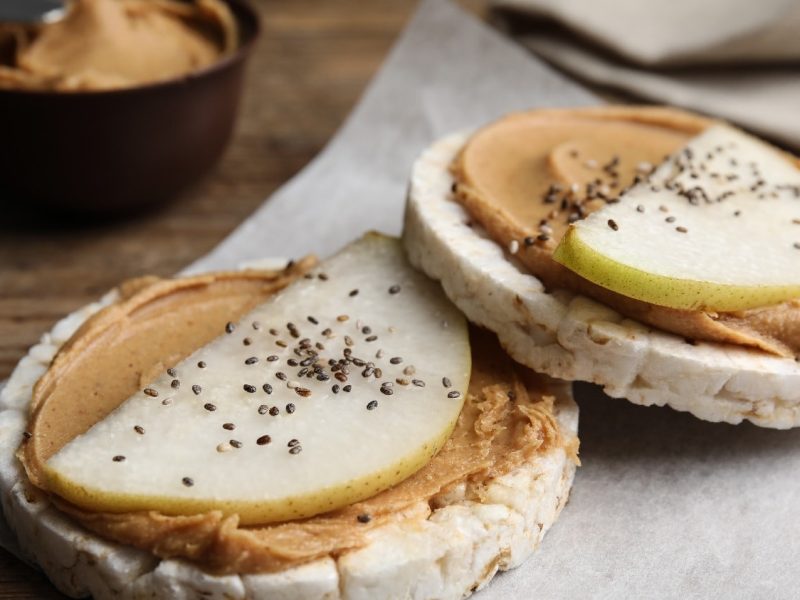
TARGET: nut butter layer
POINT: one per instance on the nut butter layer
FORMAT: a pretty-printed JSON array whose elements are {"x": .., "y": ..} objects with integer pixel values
[
  {"x": 109, "y": 44},
  {"x": 528, "y": 176}
]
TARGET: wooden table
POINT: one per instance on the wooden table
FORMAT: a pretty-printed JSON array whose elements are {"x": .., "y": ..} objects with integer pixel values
[{"x": 311, "y": 65}]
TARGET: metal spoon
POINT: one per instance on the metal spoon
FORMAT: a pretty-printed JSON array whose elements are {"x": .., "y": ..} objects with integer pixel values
[{"x": 32, "y": 12}]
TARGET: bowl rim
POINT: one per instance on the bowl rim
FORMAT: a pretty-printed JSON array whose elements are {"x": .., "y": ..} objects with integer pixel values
[{"x": 243, "y": 11}]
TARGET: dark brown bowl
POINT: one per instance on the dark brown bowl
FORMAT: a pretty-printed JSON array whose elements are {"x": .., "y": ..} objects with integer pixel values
[{"x": 122, "y": 150}]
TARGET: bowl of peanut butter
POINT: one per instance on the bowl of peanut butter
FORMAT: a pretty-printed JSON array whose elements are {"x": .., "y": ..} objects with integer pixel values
[{"x": 120, "y": 104}]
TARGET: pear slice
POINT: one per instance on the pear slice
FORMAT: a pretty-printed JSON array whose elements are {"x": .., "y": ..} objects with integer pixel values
[
  {"x": 254, "y": 430},
  {"x": 716, "y": 228}
]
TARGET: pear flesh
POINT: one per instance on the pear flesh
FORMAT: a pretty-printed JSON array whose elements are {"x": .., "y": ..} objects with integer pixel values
[
  {"x": 298, "y": 442},
  {"x": 716, "y": 227}
]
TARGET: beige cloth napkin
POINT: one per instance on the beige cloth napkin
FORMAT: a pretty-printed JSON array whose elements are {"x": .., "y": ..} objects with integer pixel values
[{"x": 735, "y": 59}]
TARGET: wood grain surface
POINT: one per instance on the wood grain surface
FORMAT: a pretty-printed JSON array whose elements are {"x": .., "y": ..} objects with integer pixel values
[{"x": 312, "y": 63}]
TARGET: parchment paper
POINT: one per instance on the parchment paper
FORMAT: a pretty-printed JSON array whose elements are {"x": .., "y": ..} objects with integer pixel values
[{"x": 665, "y": 506}]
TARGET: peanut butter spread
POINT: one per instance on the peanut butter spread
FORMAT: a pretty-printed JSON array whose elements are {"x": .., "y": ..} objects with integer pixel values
[
  {"x": 526, "y": 177},
  {"x": 108, "y": 44},
  {"x": 507, "y": 419}
]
